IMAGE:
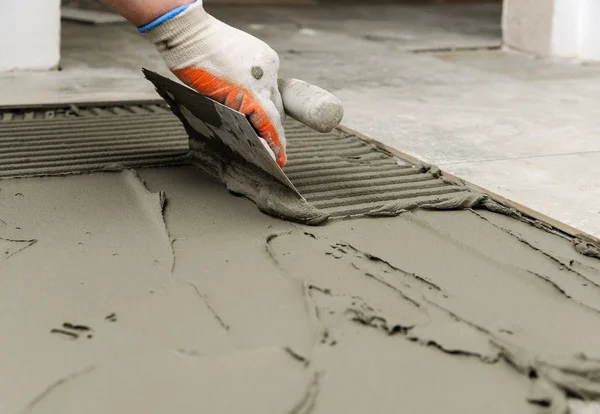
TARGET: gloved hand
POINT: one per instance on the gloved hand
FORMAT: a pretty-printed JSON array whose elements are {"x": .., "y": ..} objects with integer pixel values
[{"x": 225, "y": 64}]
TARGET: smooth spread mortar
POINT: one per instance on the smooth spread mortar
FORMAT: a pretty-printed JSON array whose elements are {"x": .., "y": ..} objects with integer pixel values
[{"x": 165, "y": 291}]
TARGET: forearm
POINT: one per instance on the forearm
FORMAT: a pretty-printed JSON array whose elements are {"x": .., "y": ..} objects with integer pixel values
[{"x": 140, "y": 12}]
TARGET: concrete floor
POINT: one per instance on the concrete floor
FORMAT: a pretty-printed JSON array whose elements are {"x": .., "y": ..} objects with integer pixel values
[{"x": 518, "y": 126}]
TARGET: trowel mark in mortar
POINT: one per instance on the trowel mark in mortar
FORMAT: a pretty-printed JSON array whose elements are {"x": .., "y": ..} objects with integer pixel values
[
  {"x": 323, "y": 335},
  {"x": 390, "y": 268},
  {"x": 297, "y": 356},
  {"x": 584, "y": 268},
  {"x": 68, "y": 334},
  {"x": 76, "y": 327},
  {"x": 547, "y": 396},
  {"x": 73, "y": 331},
  {"x": 361, "y": 312},
  {"x": 440, "y": 332},
  {"x": 111, "y": 317},
  {"x": 157, "y": 205},
  {"x": 306, "y": 405},
  {"x": 555, "y": 383},
  {"x": 551, "y": 283},
  {"x": 575, "y": 290},
  {"x": 195, "y": 287},
  {"x": 371, "y": 291},
  {"x": 208, "y": 305},
  {"x": 10, "y": 247},
  {"x": 565, "y": 266},
  {"x": 56, "y": 384}
]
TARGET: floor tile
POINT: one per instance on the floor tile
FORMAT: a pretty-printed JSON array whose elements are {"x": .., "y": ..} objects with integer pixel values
[{"x": 564, "y": 187}]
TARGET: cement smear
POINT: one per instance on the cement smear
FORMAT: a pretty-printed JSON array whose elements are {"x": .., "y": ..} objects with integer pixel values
[
  {"x": 240, "y": 177},
  {"x": 181, "y": 297}
]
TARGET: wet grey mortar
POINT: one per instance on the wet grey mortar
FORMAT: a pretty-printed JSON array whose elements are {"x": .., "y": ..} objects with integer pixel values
[{"x": 337, "y": 173}]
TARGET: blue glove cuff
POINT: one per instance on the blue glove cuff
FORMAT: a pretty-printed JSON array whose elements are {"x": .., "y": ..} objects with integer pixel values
[{"x": 167, "y": 16}]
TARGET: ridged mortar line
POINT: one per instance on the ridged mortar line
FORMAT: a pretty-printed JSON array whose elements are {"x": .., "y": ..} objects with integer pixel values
[
  {"x": 49, "y": 130},
  {"x": 375, "y": 189},
  {"x": 39, "y": 123},
  {"x": 341, "y": 154},
  {"x": 338, "y": 171},
  {"x": 354, "y": 177},
  {"x": 173, "y": 138},
  {"x": 76, "y": 160},
  {"x": 331, "y": 163},
  {"x": 311, "y": 138},
  {"x": 74, "y": 132},
  {"x": 356, "y": 185},
  {"x": 397, "y": 195},
  {"x": 366, "y": 208},
  {"x": 90, "y": 149},
  {"x": 292, "y": 144},
  {"x": 83, "y": 168},
  {"x": 357, "y": 160},
  {"x": 323, "y": 149},
  {"x": 339, "y": 185},
  {"x": 293, "y": 141}
]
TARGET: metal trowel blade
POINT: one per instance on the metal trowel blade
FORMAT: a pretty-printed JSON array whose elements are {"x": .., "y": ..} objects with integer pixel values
[{"x": 214, "y": 121}]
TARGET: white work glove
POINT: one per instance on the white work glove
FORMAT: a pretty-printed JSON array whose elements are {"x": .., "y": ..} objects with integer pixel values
[{"x": 225, "y": 64}]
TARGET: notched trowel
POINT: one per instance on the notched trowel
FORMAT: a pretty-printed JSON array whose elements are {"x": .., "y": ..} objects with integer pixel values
[{"x": 225, "y": 145}]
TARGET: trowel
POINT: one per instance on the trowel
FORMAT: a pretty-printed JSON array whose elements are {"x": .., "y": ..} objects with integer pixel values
[{"x": 224, "y": 143}]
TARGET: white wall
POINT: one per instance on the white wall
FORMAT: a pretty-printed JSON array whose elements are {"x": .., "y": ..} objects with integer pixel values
[
  {"x": 29, "y": 34},
  {"x": 555, "y": 28}
]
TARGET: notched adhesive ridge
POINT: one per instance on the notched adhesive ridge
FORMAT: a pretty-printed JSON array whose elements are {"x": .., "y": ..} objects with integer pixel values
[
  {"x": 323, "y": 165},
  {"x": 51, "y": 141}
]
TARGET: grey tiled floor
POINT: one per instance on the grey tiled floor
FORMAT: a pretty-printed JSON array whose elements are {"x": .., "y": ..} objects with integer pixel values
[{"x": 524, "y": 128}]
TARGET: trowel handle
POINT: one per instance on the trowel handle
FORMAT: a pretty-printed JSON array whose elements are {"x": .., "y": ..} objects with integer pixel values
[{"x": 311, "y": 105}]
